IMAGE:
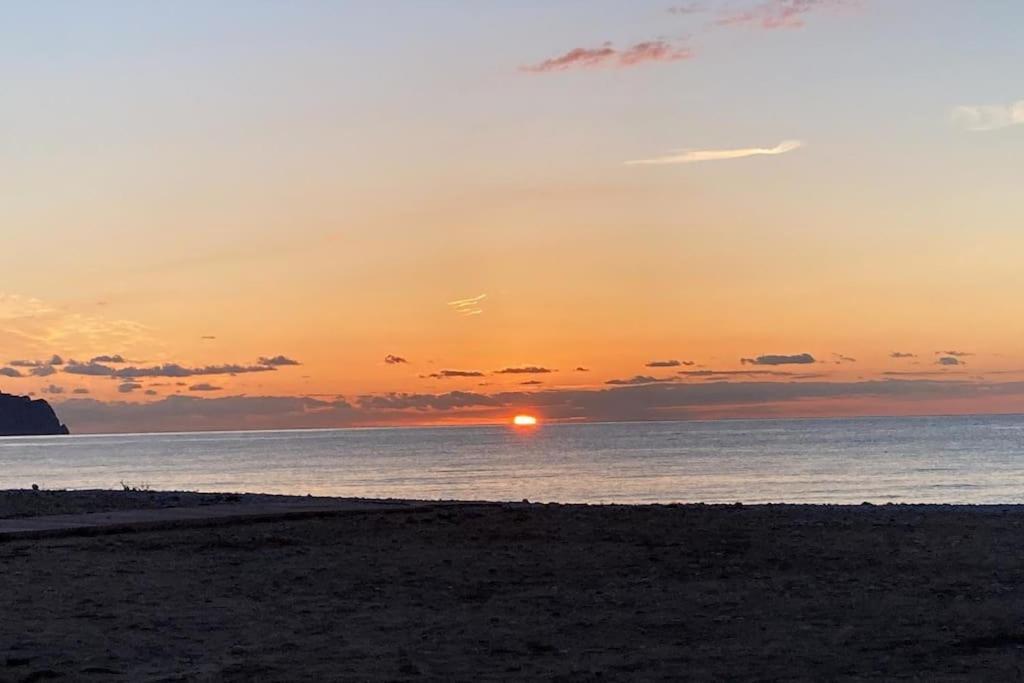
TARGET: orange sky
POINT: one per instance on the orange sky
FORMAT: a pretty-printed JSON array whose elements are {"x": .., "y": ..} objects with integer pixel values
[{"x": 188, "y": 186}]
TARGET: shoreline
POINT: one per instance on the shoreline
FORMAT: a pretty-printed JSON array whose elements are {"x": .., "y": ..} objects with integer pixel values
[{"x": 28, "y": 503}]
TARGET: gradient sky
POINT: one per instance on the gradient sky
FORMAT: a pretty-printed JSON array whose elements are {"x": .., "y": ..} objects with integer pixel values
[{"x": 247, "y": 206}]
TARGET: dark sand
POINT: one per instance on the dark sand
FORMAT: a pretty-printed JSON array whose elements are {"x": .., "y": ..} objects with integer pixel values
[
  {"x": 19, "y": 504},
  {"x": 497, "y": 591}
]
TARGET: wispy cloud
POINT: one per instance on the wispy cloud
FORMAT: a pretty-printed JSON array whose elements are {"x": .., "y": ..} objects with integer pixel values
[
  {"x": 165, "y": 370},
  {"x": 668, "y": 363},
  {"x": 737, "y": 373},
  {"x": 524, "y": 370},
  {"x": 639, "y": 380},
  {"x": 606, "y": 55},
  {"x": 779, "y": 14},
  {"x": 691, "y": 156},
  {"x": 470, "y": 306},
  {"x": 989, "y": 116},
  {"x": 277, "y": 361},
  {"x": 449, "y": 374},
  {"x": 777, "y": 359}
]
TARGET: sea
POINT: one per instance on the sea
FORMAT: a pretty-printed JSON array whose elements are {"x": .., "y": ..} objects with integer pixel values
[{"x": 975, "y": 459}]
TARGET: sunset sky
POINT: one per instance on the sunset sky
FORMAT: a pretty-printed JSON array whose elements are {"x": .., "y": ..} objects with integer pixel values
[{"x": 314, "y": 214}]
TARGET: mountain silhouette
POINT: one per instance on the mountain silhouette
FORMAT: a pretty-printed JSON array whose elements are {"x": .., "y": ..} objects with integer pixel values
[{"x": 24, "y": 416}]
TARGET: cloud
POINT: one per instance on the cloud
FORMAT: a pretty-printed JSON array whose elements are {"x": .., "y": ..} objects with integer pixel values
[
  {"x": 168, "y": 370},
  {"x": 117, "y": 358},
  {"x": 53, "y": 389},
  {"x": 128, "y": 387},
  {"x": 150, "y": 392},
  {"x": 652, "y": 51},
  {"x": 47, "y": 325},
  {"x": 739, "y": 373},
  {"x": 581, "y": 369},
  {"x": 175, "y": 413},
  {"x": 208, "y": 337},
  {"x": 652, "y": 401},
  {"x": 532, "y": 382},
  {"x": 639, "y": 380},
  {"x": 773, "y": 359},
  {"x": 277, "y": 361},
  {"x": 204, "y": 386},
  {"x": 10, "y": 372},
  {"x": 525, "y": 370},
  {"x": 80, "y": 390},
  {"x": 949, "y": 360},
  {"x": 779, "y": 14},
  {"x": 668, "y": 363},
  {"x": 90, "y": 369},
  {"x": 900, "y": 354},
  {"x": 468, "y": 307},
  {"x": 980, "y": 118},
  {"x": 692, "y": 156},
  {"x": 955, "y": 354},
  {"x": 394, "y": 360},
  {"x": 918, "y": 373},
  {"x": 53, "y": 360},
  {"x": 448, "y": 374},
  {"x": 42, "y": 371},
  {"x": 840, "y": 358},
  {"x": 421, "y": 402}
]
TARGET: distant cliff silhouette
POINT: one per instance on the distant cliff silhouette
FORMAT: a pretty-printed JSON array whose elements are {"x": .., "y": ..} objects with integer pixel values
[{"x": 23, "y": 416}]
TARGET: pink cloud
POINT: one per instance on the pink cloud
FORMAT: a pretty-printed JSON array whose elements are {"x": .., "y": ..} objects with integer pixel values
[
  {"x": 609, "y": 56},
  {"x": 775, "y": 14}
]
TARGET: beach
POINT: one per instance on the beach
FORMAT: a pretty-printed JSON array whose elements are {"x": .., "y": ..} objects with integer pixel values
[{"x": 493, "y": 591}]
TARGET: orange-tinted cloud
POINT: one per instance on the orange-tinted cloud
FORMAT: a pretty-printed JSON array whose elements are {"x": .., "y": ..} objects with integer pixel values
[
  {"x": 776, "y": 14},
  {"x": 644, "y": 400},
  {"x": 692, "y": 156},
  {"x": 526, "y": 370},
  {"x": 449, "y": 374},
  {"x": 608, "y": 56}
]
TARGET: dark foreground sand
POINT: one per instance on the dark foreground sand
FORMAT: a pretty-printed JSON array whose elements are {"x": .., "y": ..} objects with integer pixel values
[{"x": 529, "y": 592}]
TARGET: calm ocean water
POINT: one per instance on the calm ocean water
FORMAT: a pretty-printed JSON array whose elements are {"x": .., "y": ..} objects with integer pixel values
[{"x": 941, "y": 459}]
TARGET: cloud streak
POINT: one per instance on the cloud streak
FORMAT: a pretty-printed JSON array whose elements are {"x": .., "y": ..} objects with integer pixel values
[
  {"x": 779, "y": 14},
  {"x": 175, "y": 369},
  {"x": 450, "y": 374},
  {"x": 668, "y": 363},
  {"x": 608, "y": 56},
  {"x": 468, "y": 307},
  {"x": 776, "y": 359},
  {"x": 526, "y": 370},
  {"x": 988, "y": 117},
  {"x": 694, "y": 156}
]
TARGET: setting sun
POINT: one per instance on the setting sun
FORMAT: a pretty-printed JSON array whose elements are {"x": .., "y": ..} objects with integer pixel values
[{"x": 524, "y": 421}]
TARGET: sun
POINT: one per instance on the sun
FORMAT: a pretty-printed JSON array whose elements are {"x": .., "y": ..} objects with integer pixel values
[{"x": 524, "y": 421}]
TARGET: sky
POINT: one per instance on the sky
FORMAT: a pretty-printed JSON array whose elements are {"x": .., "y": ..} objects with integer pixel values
[{"x": 318, "y": 214}]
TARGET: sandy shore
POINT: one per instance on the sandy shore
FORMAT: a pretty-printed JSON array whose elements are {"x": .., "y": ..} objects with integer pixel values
[
  {"x": 23, "y": 503},
  {"x": 512, "y": 591}
]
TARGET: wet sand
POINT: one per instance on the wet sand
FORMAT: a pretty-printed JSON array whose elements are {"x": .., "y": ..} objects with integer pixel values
[{"x": 514, "y": 591}]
